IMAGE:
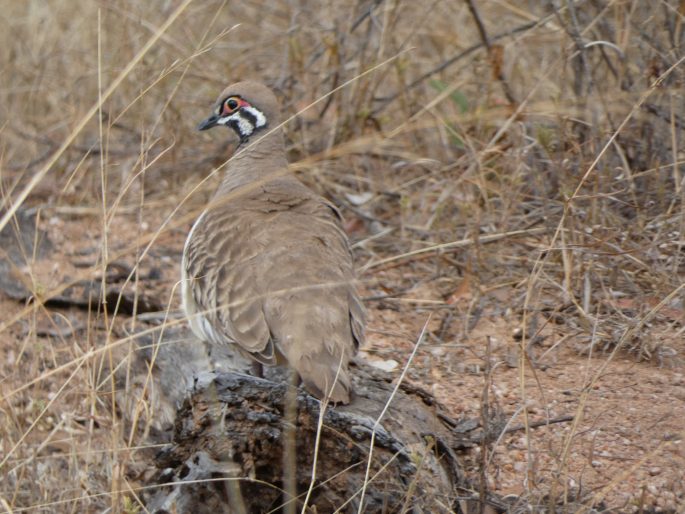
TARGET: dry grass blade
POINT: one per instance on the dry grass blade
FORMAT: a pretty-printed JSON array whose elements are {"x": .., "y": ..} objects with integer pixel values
[
  {"x": 376, "y": 424},
  {"x": 11, "y": 209},
  {"x": 16, "y": 445}
]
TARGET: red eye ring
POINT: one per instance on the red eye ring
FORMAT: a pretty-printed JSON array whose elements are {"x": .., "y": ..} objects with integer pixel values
[{"x": 232, "y": 104}]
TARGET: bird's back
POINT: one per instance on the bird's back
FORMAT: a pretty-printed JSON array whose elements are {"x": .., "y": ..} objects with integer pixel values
[{"x": 270, "y": 270}]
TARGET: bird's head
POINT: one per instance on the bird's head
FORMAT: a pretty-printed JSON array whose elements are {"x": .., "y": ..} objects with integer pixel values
[{"x": 246, "y": 107}]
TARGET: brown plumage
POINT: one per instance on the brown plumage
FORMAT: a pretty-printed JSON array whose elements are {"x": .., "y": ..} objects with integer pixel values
[{"x": 267, "y": 265}]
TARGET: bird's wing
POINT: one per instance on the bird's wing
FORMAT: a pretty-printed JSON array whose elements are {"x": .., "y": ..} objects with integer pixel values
[
  {"x": 312, "y": 309},
  {"x": 219, "y": 261}
]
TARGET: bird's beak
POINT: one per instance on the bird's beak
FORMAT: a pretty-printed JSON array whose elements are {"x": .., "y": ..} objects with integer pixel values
[{"x": 210, "y": 122}]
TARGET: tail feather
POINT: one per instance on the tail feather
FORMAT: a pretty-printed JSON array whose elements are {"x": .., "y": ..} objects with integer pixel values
[
  {"x": 325, "y": 377},
  {"x": 312, "y": 330}
]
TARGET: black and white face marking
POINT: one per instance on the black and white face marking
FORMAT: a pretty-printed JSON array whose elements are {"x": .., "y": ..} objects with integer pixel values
[{"x": 238, "y": 114}]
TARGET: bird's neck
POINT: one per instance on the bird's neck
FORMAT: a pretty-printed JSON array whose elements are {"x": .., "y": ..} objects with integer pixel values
[{"x": 258, "y": 160}]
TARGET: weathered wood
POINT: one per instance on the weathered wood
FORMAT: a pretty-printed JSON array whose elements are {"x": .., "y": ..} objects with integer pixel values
[
  {"x": 228, "y": 451},
  {"x": 20, "y": 242}
]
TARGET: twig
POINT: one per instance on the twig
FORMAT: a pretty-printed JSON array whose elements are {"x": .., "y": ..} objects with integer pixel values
[
  {"x": 535, "y": 424},
  {"x": 482, "y": 435},
  {"x": 496, "y": 66},
  {"x": 485, "y": 421},
  {"x": 491, "y": 238},
  {"x": 449, "y": 62}
]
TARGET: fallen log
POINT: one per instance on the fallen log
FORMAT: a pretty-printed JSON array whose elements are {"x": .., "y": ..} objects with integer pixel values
[{"x": 230, "y": 437}]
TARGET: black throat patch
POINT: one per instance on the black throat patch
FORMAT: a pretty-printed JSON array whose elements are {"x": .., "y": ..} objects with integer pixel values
[{"x": 246, "y": 122}]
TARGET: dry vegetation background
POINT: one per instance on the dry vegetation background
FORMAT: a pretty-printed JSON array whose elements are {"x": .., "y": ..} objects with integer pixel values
[{"x": 511, "y": 168}]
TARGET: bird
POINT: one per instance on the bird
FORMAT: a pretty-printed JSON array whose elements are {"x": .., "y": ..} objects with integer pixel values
[{"x": 267, "y": 266}]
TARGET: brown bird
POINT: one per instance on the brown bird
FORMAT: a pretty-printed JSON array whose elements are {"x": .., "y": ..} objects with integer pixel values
[{"x": 267, "y": 266}]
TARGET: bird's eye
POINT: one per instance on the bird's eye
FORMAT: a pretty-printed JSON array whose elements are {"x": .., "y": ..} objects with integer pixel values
[{"x": 232, "y": 104}]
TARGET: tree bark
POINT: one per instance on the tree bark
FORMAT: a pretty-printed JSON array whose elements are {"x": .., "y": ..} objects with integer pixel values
[{"x": 228, "y": 446}]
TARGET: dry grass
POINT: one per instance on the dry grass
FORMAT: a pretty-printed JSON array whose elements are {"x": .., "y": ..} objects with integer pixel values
[{"x": 547, "y": 143}]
